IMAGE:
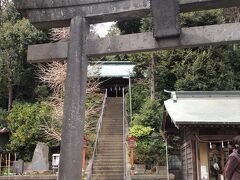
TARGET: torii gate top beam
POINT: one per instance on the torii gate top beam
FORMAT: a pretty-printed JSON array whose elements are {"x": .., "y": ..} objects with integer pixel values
[{"x": 58, "y": 13}]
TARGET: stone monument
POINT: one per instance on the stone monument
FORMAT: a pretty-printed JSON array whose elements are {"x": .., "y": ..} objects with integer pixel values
[{"x": 40, "y": 158}]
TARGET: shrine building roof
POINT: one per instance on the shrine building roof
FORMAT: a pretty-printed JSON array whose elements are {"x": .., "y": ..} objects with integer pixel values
[
  {"x": 109, "y": 69},
  {"x": 203, "y": 108}
]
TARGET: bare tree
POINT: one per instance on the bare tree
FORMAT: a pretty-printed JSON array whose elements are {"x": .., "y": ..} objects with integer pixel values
[
  {"x": 60, "y": 33},
  {"x": 54, "y": 75},
  {"x": 233, "y": 13}
]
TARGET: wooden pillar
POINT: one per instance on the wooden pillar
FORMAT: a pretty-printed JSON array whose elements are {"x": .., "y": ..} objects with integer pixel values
[{"x": 74, "y": 102}]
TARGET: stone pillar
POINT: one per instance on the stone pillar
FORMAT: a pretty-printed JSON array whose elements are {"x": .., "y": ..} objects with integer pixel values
[{"x": 74, "y": 102}]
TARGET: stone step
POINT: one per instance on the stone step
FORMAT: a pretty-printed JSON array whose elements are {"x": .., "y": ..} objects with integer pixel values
[
  {"x": 108, "y": 164},
  {"x": 110, "y": 146},
  {"x": 106, "y": 151},
  {"x": 110, "y": 141},
  {"x": 109, "y": 174},
  {"x": 112, "y": 123},
  {"x": 108, "y": 161},
  {"x": 108, "y": 167},
  {"x": 107, "y": 130},
  {"x": 105, "y": 163},
  {"x": 110, "y": 153},
  {"x": 117, "y": 118},
  {"x": 113, "y": 106},
  {"x": 114, "y": 101},
  {"x": 112, "y": 127},
  {"x": 107, "y": 177},
  {"x": 112, "y": 171},
  {"x": 109, "y": 150},
  {"x": 103, "y": 158},
  {"x": 110, "y": 134},
  {"x": 113, "y": 114},
  {"x": 113, "y": 118},
  {"x": 117, "y": 124},
  {"x": 109, "y": 156},
  {"x": 111, "y": 137},
  {"x": 117, "y": 140},
  {"x": 116, "y": 110}
]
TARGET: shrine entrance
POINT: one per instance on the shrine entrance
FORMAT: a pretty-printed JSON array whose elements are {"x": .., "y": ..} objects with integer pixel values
[{"x": 78, "y": 15}]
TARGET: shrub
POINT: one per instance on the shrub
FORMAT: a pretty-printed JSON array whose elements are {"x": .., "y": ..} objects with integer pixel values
[{"x": 25, "y": 120}]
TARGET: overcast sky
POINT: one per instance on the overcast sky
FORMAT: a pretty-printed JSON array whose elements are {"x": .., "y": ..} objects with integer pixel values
[{"x": 102, "y": 29}]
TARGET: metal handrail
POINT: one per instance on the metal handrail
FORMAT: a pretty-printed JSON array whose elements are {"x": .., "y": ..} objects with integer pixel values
[
  {"x": 124, "y": 145},
  {"x": 98, "y": 131},
  {"x": 125, "y": 133}
]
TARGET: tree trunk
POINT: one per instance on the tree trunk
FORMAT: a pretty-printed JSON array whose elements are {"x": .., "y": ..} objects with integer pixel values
[
  {"x": 10, "y": 92},
  {"x": 152, "y": 84}
]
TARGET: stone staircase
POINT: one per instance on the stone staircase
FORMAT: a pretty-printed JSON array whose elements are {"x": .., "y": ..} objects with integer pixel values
[{"x": 108, "y": 163}]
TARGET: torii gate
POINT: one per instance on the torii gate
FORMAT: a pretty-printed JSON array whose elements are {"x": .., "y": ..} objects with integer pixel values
[{"x": 79, "y": 14}]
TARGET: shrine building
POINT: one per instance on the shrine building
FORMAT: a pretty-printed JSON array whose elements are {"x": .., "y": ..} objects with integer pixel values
[{"x": 206, "y": 123}]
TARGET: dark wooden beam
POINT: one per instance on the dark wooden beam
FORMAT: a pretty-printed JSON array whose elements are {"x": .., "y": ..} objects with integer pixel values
[
  {"x": 54, "y": 13},
  {"x": 190, "y": 37}
]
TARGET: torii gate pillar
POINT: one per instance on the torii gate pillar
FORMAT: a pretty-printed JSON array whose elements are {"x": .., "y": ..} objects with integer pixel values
[{"x": 74, "y": 102}]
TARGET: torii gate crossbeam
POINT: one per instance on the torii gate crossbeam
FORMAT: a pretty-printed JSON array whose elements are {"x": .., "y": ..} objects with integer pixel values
[
  {"x": 55, "y": 13},
  {"x": 140, "y": 42}
]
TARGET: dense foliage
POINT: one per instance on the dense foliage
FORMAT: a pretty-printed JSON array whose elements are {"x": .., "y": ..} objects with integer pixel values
[{"x": 24, "y": 122}]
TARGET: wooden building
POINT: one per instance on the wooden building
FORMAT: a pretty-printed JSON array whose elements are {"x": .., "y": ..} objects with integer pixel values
[
  {"x": 4, "y": 138},
  {"x": 206, "y": 122},
  {"x": 113, "y": 75}
]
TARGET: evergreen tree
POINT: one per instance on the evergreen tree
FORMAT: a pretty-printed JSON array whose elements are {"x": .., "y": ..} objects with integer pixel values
[{"x": 17, "y": 77}]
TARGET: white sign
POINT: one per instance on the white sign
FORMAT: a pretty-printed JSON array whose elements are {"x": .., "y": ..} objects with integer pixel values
[{"x": 204, "y": 173}]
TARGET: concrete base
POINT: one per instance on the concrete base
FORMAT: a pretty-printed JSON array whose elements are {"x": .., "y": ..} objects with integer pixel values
[
  {"x": 150, "y": 177},
  {"x": 28, "y": 177}
]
